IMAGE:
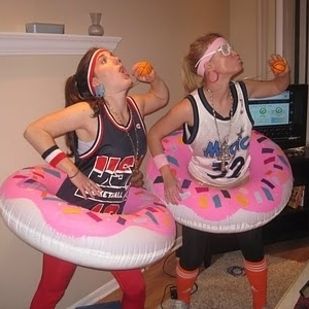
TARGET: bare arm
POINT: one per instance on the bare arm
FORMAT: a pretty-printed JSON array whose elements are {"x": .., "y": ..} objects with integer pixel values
[
  {"x": 157, "y": 96},
  {"x": 181, "y": 113},
  {"x": 41, "y": 134},
  {"x": 265, "y": 88}
]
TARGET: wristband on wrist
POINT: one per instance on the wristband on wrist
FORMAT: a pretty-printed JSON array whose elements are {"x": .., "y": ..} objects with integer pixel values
[
  {"x": 160, "y": 160},
  {"x": 53, "y": 155}
]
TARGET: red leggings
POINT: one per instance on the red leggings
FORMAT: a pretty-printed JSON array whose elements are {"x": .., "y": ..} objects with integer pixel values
[{"x": 57, "y": 274}]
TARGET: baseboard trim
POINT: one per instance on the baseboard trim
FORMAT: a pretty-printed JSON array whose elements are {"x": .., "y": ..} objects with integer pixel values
[
  {"x": 92, "y": 298},
  {"x": 109, "y": 287}
]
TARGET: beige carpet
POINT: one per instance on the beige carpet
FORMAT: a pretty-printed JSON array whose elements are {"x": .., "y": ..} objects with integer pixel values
[{"x": 217, "y": 289}]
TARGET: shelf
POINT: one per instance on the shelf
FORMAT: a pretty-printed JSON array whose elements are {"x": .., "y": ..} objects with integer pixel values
[{"x": 18, "y": 43}]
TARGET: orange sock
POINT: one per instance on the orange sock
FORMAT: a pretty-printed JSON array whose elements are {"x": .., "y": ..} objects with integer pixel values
[
  {"x": 257, "y": 277},
  {"x": 185, "y": 280}
]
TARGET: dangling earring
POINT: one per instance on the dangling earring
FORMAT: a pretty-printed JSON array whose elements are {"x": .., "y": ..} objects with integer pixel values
[
  {"x": 99, "y": 90},
  {"x": 213, "y": 76}
]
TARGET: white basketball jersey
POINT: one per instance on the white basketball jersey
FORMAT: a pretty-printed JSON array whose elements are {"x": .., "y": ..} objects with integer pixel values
[{"x": 205, "y": 164}]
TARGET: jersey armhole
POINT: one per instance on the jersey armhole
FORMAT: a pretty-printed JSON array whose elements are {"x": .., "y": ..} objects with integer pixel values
[
  {"x": 135, "y": 107},
  {"x": 246, "y": 99},
  {"x": 189, "y": 132},
  {"x": 94, "y": 147}
]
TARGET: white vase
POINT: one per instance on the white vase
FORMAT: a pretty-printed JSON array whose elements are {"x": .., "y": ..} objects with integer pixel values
[{"x": 95, "y": 28}]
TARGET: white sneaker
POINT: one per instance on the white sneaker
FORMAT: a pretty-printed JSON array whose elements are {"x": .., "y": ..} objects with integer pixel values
[{"x": 178, "y": 304}]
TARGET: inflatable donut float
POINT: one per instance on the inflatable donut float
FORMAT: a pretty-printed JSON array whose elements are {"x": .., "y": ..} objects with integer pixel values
[
  {"x": 231, "y": 210},
  {"x": 34, "y": 213}
]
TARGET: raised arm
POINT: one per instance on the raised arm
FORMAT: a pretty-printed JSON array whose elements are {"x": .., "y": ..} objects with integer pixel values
[
  {"x": 265, "y": 88},
  {"x": 156, "y": 97}
]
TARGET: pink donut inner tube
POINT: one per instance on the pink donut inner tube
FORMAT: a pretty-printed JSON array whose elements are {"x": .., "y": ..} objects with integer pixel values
[
  {"x": 231, "y": 210},
  {"x": 31, "y": 210}
]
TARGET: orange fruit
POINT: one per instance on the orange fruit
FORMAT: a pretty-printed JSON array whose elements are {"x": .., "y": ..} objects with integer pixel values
[
  {"x": 143, "y": 68},
  {"x": 278, "y": 66}
]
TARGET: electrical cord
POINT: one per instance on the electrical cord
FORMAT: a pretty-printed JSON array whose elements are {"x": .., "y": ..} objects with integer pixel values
[{"x": 164, "y": 265}]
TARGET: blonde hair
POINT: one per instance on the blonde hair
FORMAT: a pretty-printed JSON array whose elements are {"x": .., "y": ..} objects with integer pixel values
[{"x": 197, "y": 48}]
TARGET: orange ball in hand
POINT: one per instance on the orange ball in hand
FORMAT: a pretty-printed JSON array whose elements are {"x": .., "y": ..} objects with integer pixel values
[
  {"x": 143, "y": 68},
  {"x": 278, "y": 66}
]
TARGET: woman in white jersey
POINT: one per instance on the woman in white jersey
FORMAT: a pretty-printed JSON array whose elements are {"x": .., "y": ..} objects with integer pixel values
[{"x": 214, "y": 116}]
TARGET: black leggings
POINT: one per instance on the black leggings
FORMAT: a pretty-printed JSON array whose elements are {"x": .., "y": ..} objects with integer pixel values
[{"x": 196, "y": 247}]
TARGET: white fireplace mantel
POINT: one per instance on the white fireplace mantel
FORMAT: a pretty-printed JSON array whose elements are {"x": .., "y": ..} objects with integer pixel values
[{"x": 18, "y": 43}]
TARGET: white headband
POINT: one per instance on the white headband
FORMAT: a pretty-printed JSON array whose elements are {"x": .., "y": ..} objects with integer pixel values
[{"x": 210, "y": 51}]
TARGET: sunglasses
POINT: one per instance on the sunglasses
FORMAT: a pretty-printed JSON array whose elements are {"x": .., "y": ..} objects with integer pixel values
[{"x": 225, "y": 50}]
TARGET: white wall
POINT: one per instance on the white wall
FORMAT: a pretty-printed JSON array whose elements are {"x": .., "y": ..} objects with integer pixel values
[
  {"x": 33, "y": 85},
  {"x": 252, "y": 33}
]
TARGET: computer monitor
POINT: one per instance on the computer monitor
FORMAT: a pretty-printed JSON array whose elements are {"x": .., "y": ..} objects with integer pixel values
[{"x": 283, "y": 117}]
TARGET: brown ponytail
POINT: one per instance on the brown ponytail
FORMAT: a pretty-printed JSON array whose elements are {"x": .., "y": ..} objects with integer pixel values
[{"x": 76, "y": 90}]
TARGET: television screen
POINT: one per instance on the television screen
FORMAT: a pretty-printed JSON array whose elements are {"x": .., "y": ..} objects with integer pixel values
[
  {"x": 271, "y": 111},
  {"x": 283, "y": 117}
]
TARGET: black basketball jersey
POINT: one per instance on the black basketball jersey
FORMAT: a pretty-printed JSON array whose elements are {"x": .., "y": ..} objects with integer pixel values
[{"x": 110, "y": 161}]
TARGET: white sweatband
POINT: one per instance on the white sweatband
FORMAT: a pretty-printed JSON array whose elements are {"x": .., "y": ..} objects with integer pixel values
[{"x": 160, "y": 160}]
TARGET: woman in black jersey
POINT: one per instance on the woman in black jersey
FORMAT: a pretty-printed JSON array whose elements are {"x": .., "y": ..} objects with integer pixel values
[{"x": 105, "y": 133}]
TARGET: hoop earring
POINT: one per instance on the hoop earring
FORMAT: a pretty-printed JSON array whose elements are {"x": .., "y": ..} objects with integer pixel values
[
  {"x": 99, "y": 91},
  {"x": 213, "y": 76}
]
